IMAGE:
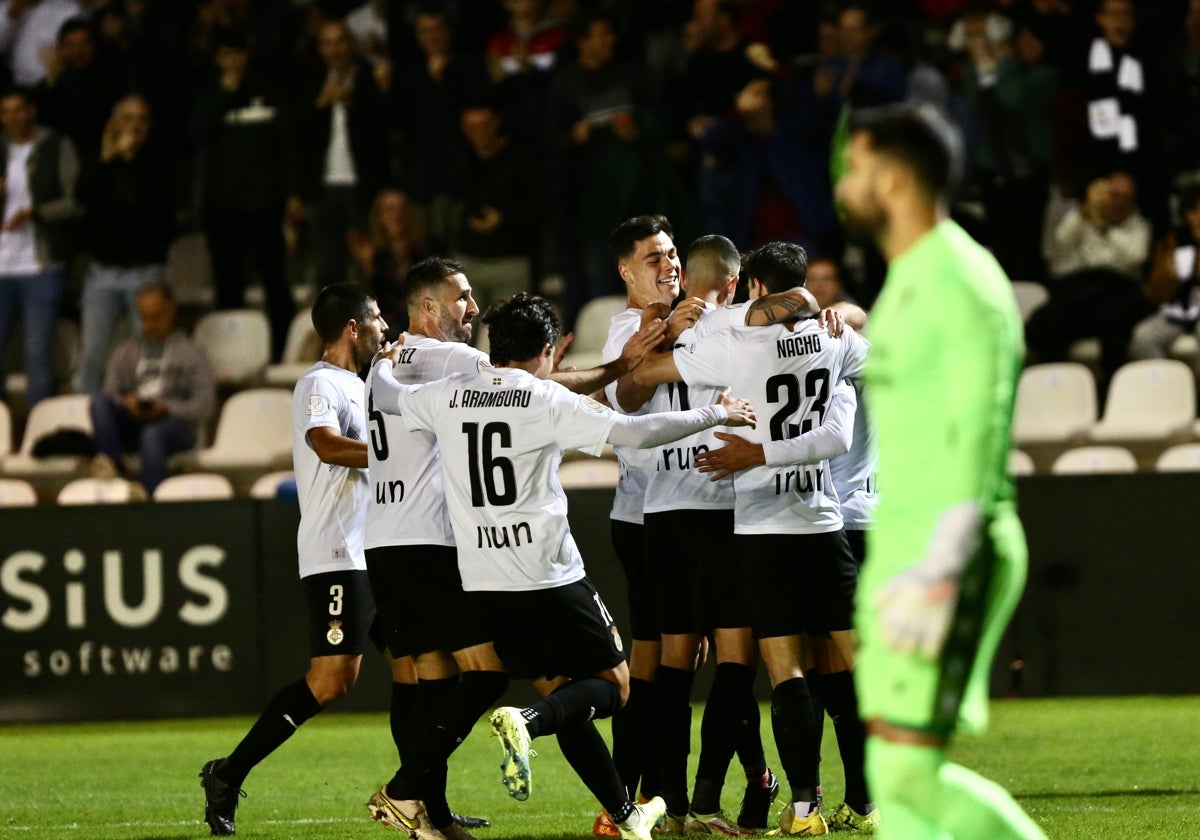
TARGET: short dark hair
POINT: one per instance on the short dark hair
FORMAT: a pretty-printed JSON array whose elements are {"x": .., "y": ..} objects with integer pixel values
[
  {"x": 337, "y": 304},
  {"x": 519, "y": 326},
  {"x": 778, "y": 266},
  {"x": 719, "y": 250},
  {"x": 428, "y": 274},
  {"x": 920, "y": 137},
  {"x": 17, "y": 90},
  {"x": 73, "y": 24},
  {"x": 621, "y": 240}
]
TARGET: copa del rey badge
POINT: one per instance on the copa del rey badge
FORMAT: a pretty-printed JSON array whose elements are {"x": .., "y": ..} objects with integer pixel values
[{"x": 335, "y": 634}]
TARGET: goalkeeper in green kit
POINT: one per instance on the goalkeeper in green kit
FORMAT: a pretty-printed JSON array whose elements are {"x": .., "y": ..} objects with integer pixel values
[{"x": 946, "y": 560}]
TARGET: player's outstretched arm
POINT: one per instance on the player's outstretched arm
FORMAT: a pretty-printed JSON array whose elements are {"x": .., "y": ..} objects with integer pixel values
[
  {"x": 333, "y": 448},
  {"x": 633, "y": 353},
  {"x": 386, "y": 393},
  {"x": 650, "y": 430}
]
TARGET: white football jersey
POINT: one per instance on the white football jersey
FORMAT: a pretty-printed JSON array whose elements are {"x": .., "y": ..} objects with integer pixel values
[
  {"x": 854, "y": 473},
  {"x": 634, "y": 464},
  {"x": 408, "y": 506},
  {"x": 673, "y": 482},
  {"x": 502, "y": 432},
  {"x": 333, "y": 499},
  {"x": 788, "y": 375}
]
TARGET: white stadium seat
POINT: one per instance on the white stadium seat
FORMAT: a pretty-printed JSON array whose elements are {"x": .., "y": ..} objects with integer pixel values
[
  {"x": 17, "y": 493},
  {"x": 1055, "y": 403},
  {"x": 1029, "y": 297},
  {"x": 254, "y": 432},
  {"x": 237, "y": 343},
  {"x": 1019, "y": 463},
  {"x": 300, "y": 351},
  {"x": 192, "y": 487},
  {"x": 593, "y": 472},
  {"x": 5, "y": 430},
  {"x": 68, "y": 412},
  {"x": 1148, "y": 401},
  {"x": 591, "y": 330},
  {"x": 101, "y": 491},
  {"x": 1184, "y": 457},
  {"x": 266, "y": 486},
  {"x": 1095, "y": 459},
  {"x": 1085, "y": 351}
]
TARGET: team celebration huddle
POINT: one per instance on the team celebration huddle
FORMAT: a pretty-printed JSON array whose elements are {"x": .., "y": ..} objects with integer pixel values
[{"x": 750, "y": 438}]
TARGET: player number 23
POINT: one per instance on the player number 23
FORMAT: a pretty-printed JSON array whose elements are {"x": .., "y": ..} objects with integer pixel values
[{"x": 785, "y": 388}]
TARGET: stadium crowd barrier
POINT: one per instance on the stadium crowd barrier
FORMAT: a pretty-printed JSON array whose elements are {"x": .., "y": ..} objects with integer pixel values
[{"x": 190, "y": 609}]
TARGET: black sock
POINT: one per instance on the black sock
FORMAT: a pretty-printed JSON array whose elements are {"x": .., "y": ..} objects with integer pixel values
[
  {"x": 476, "y": 692},
  {"x": 749, "y": 736},
  {"x": 584, "y": 749},
  {"x": 572, "y": 704},
  {"x": 430, "y": 696},
  {"x": 719, "y": 731},
  {"x": 625, "y": 733},
  {"x": 290, "y": 707},
  {"x": 795, "y": 728},
  {"x": 842, "y": 704},
  {"x": 673, "y": 738},
  {"x": 816, "y": 689},
  {"x": 400, "y": 717}
]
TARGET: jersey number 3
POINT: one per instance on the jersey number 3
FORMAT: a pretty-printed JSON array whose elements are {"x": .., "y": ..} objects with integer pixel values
[{"x": 483, "y": 464}]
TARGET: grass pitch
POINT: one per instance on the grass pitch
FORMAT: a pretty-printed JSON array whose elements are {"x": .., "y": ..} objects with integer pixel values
[{"x": 1084, "y": 768}]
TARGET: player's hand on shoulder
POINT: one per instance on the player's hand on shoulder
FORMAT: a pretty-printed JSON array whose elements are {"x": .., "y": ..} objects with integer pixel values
[
  {"x": 655, "y": 312},
  {"x": 390, "y": 351},
  {"x": 684, "y": 316},
  {"x": 642, "y": 342},
  {"x": 832, "y": 321},
  {"x": 741, "y": 413}
]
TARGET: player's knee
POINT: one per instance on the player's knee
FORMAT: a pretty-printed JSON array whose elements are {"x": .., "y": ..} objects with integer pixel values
[{"x": 329, "y": 686}]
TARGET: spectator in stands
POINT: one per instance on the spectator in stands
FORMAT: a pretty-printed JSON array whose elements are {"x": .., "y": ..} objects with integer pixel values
[
  {"x": 498, "y": 189},
  {"x": 37, "y": 236},
  {"x": 520, "y": 58},
  {"x": 428, "y": 101},
  {"x": 346, "y": 155},
  {"x": 1174, "y": 280},
  {"x": 28, "y": 32},
  {"x": 158, "y": 390},
  {"x": 825, "y": 282},
  {"x": 78, "y": 93},
  {"x": 368, "y": 28},
  {"x": 1095, "y": 253},
  {"x": 129, "y": 225},
  {"x": 860, "y": 75},
  {"x": 248, "y": 176},
  {"x": 728, "y": 169},
  {"x": 596, "y": 118},
  {"x": 1115, "y": 88},
  {"x": 393, "y": 242},
  {"x": 1011, "y": 92}
]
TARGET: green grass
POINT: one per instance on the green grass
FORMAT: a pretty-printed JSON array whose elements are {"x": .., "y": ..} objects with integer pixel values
[{"x": 1090, "y": 768}]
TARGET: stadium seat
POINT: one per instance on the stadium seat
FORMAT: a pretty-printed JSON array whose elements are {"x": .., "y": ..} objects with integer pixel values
[
  {"x": 1055, "y": 403},
  {"x": 237, "y": 342},
  {"x": 594, "y": 472},
  {"x": 253, "y": 432},
  {"x": 1095, "y": 459},
  {"x": 1019, "y": 463},
  {"x": 69, "y": 412},
  {"x": 17, "y": 493},
  {"x": 1148, "y": 401},
  {"x": 266, "y": 486},
  {"x": 591, "y": 330},
  {"x": 192, "y": 487},
  {"x": 1184, "y": 457},
  {"x": 1186, "y": 349},
  {"x": 101, "y": 491},
  {"x": 1086, "y": 351},
  {"x": 302, "y": 348},
  {"x": 1029, "y": 297}
]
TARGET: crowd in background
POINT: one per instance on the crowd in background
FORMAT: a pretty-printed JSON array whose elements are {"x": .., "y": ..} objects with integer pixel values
[{"x": 318, "y": 141}]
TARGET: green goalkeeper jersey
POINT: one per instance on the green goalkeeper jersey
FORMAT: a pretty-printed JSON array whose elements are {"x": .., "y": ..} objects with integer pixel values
[{"x": 946, "y": 351}]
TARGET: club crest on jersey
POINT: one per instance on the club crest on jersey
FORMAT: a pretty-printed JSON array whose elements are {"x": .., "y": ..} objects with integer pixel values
[
  {"x": 336, "y": 634},
  {"x": 589, "y": 404},
  {"x": 617, "y": 643},
  {"x": 317, "y": 405}
]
